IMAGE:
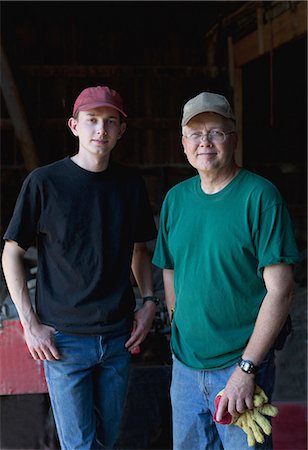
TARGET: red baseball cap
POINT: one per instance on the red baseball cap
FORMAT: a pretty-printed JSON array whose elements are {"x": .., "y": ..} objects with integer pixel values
[{"x": 94, "y": 97}]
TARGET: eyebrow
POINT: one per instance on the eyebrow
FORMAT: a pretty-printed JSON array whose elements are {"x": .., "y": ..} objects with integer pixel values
[{"x": 94, "y": 115}]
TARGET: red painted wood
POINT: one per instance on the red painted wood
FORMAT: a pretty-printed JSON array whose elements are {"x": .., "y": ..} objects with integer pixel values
[
  {"x": 290, "y": 426},
  {"x": 19, "y": 372}
]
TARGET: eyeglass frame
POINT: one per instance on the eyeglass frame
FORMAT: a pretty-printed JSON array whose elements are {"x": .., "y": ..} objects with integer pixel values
[{"x": 203, "y": 135}]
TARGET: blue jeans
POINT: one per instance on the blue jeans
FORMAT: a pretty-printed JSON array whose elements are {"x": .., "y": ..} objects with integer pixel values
[
  {"x": 192, "y": 398},
  {"x": 87, "y": 388}
]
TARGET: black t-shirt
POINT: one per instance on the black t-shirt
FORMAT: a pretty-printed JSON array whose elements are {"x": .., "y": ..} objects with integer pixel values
[{"x": 85, "y": 225}]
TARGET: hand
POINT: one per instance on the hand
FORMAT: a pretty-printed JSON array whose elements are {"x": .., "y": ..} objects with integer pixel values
[
  {"x": 142, "y": 325},
  {"x": 40, "y": 341},
  {"x": 252, "y": 422},
  {"x": 237, "y": 396}
]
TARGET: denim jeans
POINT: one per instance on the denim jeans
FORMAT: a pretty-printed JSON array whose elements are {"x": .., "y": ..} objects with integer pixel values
[
  {"x": 87, "y": 388},
  {"x": 192, "y": 398}
]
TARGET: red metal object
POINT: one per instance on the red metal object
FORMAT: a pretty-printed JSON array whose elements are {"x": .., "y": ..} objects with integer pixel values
[{"x": 19, "y": 372}]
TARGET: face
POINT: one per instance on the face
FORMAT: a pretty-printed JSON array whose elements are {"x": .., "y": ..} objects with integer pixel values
[
  {"x": 206, "y": 156},
  {"x": 98, "y": 130}
]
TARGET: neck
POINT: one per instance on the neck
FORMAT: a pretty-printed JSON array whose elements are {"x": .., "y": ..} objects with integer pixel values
[
  {"x": 211, "y": 183},
  {"x": 93, "y": 163}
]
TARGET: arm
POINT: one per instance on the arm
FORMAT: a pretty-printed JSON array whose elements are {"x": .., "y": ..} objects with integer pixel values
[
  {"x": 142, "y": 270},
  {"x": 39, "y": 337},
  {"x": 272, "y": 315},
  {"x": 168, "y": 277}
]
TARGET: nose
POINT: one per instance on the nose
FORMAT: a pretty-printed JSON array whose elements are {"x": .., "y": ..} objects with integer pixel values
[
  {"x": 205, "y": 138},
  {"x": 101, "y": 128}
]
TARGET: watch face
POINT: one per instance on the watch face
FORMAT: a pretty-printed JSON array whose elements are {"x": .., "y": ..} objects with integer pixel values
[{"x": 245, "y": 366}]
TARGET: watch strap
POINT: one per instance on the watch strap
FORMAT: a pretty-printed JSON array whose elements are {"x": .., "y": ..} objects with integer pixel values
[{"x": 151, "y": 298}]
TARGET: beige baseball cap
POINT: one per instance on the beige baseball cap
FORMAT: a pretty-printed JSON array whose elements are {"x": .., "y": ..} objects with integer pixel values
[{"x": 206, "y": 102}]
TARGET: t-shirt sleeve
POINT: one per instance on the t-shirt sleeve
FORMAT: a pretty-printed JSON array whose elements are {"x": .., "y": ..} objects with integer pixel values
[
  {"x": 276, "y": 242},
  {"x": 162, "y": 257},
  {"x": 145, "y": 229},
  {"x": 24, "y": 222}
]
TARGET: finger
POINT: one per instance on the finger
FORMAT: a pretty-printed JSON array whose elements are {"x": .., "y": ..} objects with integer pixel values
[
  {"x": 132, "y": 341},
  {"x": 40, "y": 354},
  {"x": 249, "y": 402},
  {"x": 250, "y": 436},
  {"x": 232, "y": 407},
  {"x": 263, "y": 423},
  {"x": 222, "y": 408},
  {"x": 54, "y": 352},
  {"x": 51, "y": 353},
  {"x": 134, "y": 327},
  {"x": 34, "y": 354},
  {"x": 259, "y": 397},
  {"x": 240, "y": 405},
  {"x": 268, "y": 410}
]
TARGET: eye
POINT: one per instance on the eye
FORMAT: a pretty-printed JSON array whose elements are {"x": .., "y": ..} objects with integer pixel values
[
  {"x": 216, "y": 134},
  {"x": 195, "y": 135}
]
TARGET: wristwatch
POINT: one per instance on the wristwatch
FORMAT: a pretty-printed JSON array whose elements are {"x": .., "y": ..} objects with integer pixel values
[
  {"x": 247, "y": 366},
  {"x": 151, "y": 298}
]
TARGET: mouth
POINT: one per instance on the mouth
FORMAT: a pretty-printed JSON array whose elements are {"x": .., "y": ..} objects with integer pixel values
[
  {"x": 207, "y": 154},
  {"x": 99, "y": 141}
]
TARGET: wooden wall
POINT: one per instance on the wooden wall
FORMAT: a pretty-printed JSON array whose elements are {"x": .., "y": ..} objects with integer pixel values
[
  {"x": 156, "y": 54},
  {"x": 149, "y": 51}
]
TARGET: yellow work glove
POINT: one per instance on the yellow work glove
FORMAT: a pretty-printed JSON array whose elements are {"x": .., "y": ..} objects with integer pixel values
[
  {"x": 259, "y": 397},
  {"x": 254, "y": 424}
]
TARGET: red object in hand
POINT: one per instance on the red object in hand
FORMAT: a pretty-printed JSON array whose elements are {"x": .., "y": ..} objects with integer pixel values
[
  {"x": 136, "y": 350},
  {"x": 226, "y": 417}
]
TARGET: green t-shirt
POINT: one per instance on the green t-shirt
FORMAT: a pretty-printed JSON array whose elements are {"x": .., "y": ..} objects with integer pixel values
[{"x": 218, "y": 245}]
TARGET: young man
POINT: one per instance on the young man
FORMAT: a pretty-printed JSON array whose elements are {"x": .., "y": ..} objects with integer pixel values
[
  {"x": 91, "y": 219},
  {"x": 226, "y": 247}
]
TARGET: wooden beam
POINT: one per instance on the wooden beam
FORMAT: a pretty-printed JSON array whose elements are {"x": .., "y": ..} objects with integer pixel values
[
  {"x": 17, "y": 114},
  {"x": 290, "y": 25},
  {"x": 238, "y": 111},
  {"x": 80, "y": 71}
]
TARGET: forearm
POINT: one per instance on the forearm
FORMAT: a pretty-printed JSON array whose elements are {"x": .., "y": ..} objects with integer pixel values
[
  {"x": 142, "y": 269},
  {"x": 168, "y": 277},
  {"x": 272, "y": 316},
  {"x": 13, "y": 269},
  {"x": 39, "y": 338}
]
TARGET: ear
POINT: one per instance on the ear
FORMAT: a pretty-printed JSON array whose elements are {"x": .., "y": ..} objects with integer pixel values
[
  {"x": 72, "y": 123},
  {"x": 183, "y": 143},
  {"x": 122, "y": 130}
]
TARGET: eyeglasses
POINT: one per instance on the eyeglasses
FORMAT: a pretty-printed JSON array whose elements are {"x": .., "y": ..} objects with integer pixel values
[{"x": 213, "y": 136}]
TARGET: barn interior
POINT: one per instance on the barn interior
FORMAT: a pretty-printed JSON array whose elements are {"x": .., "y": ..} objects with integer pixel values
[{"x": 157, "y": 54}]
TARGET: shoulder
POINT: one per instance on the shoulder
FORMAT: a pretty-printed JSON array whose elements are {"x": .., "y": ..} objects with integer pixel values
[
  {"x": 48, "y": 170},
  {"x": 40, "y": 175},
  {"x": 259, "y": 185},
  {"x": 183, "y": 188}
]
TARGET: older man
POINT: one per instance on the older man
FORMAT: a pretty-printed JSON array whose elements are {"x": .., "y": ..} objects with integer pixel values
[{"x": 226, "y": 247}]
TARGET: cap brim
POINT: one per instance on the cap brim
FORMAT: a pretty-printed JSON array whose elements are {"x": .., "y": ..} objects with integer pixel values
[
  {"x": 98, "y": 105},
  {"x": 195, "y": 113}
]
